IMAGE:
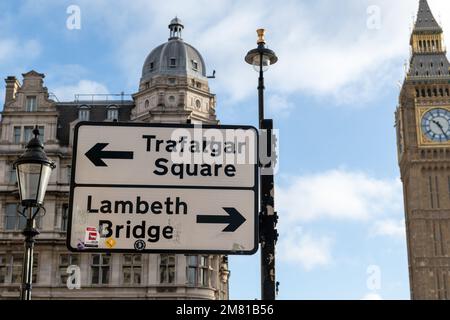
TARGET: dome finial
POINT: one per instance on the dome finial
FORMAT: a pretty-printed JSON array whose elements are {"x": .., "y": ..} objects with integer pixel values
[{"x": 176, "y": 27}]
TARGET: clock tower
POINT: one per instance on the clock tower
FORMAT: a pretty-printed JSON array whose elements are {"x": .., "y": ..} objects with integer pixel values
[{"x": 423, "y": 139}]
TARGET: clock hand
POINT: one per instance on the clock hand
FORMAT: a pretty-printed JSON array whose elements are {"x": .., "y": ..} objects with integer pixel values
[{"x": 440, "y": 127}]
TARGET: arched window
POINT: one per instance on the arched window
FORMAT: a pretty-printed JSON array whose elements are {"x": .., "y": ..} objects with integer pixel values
[
  {"x": 84, "y": 113},
  {"x": 112, "y": 113}
]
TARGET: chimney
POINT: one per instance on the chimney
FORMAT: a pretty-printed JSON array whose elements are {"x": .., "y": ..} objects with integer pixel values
[{"x": 12, "y": 85}]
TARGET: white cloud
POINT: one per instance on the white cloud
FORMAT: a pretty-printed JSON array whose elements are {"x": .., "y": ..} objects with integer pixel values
[
  {"x": 338, "y": 194},
  {"x": 279, "y": 104},
  {"x": 325, "y": 48},
  {"x": 12, "y": 49},
  {"x": 67, "y": 92},
  {"x": 390, "y": 228},
  {"x": 372, "y": 296},
  {"x": 305, "y": 250}
]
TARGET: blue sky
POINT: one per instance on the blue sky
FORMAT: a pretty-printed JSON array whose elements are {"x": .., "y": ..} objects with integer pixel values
[{"x": 332, "y": 95}]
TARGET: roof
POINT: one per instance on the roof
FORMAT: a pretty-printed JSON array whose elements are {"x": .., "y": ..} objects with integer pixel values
[
  {"x": 425, "y": 21},
  {"x": 175, "y": 21},
  {"x": 429, "y": 65},
  {"x": 68, "y": 113},
  {"x": 174, "y": 58}
]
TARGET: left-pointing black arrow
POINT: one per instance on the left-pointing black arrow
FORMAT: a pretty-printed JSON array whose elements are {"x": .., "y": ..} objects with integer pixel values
[
  {"x": 96, "y": 154},
  {"x": 234, "y": 219}
]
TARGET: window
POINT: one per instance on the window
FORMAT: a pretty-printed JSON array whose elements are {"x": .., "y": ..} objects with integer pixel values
[
  {"x": 64, "y": 216},
  {"x": 113, "y": 113},
  {"x": 132, "y": 269},
  {"x": 167, "y": 268},
  {"x": 204, "y": 271},
  {"x": 100, "y": 269},
  {"x": 31, "y": 104},
  {"x": 198, "y": 104},
  {"x": 83, "y": 114},
  {"x": 192, "y": 270},
  {"x": 3, "y": 268},
  {"x": 11, "y": 268},
  {"x": 172, "y": 81},
  {"x": 17, "y": 134},
  {"x": 69, "y": 174},
  {"x": 194, "y": 65},
  {"x": 66, "y": 260},
  {"x": 12, "y": 175},
  {"x": 152, "y": 66},
  {"x": 198, "y": 271},
  {"x": 14, "y": 221},
  {"x": 147, "y": 104},
  {"x": 433, "y": 187},
  {"x": 28, "y": 133},
  {"x": 172, "y": 62}
]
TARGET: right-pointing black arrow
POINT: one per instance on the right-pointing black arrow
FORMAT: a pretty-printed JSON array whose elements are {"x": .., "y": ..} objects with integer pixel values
[
  {"x": 234, "y": 219},
  {"x": 96, "y": 154}
]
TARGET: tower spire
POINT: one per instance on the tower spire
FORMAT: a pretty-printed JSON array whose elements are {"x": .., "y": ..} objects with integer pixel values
[
  {"x": 428, "y": 59},
  {"x": 425, "y": 21}
]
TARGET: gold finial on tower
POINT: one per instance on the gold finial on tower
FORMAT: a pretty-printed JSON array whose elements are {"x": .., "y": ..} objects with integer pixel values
[{"x": 261, "y": 33}]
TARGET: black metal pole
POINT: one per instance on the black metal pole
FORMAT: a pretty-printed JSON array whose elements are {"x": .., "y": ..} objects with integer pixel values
[
  {"x": 261, "y": 89},
  {"x": 27, "y": 269},
  {"x": 268, "y": 233}
]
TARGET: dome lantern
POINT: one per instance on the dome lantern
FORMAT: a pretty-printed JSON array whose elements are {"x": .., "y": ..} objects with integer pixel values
[{"x": 176, "y": 28}]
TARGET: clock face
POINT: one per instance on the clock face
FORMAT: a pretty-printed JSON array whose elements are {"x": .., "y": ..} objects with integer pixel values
[{"x": 436, "y": 125}]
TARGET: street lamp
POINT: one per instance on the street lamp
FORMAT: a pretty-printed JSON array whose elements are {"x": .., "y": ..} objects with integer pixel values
[
  {"x": 261, "y": 59},
  {"x": 33, "y": 170}
]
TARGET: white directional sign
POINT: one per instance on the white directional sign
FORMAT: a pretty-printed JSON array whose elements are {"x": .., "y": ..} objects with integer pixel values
[{"x": 164, "y": 188}]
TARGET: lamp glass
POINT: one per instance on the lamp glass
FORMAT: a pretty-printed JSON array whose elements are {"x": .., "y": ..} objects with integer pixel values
[
  {"x": 33, "y": 180},
  {"x": 29, "y": 175},
  {"x": 45, "y": 178},
  {"x": 257, "y": 62}
]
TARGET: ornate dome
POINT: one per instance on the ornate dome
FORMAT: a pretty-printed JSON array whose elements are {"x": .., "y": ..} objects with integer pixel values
[{"x": 175, "y": 57}]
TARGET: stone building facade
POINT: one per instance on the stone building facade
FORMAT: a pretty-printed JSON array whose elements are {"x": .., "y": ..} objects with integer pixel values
[
  {"x": 423, "y": 136},
  {"x": 173, "y": 89}
]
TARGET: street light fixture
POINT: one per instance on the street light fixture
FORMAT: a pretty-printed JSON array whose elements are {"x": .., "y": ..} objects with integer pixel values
[
  {"x": 33, "y": 170},
  {"x": 261, "y": 59}
]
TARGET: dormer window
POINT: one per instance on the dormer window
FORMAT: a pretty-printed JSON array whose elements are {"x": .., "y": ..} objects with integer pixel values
[
  {"x": 194, "y": 65},
  {"x": 113, "y": 113},
  {"x": 31, "y": 104},
  {"x": 84, "y": 113},
  {"x": 152, "y": 66},
  {"x": 172, "y": 62}
]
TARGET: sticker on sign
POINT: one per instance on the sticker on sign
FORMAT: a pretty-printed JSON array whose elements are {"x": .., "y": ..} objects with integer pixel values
[{"x": 164, "y": 188}]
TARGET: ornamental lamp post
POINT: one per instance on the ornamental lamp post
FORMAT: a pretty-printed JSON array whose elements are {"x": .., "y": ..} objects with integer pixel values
[
  {"x": 261, "y": 59},
  {"x": 33, "y": 170}
]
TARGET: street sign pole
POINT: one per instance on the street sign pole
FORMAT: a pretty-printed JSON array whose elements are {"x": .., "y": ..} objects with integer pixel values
[{"x": 268, "y": 218}]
